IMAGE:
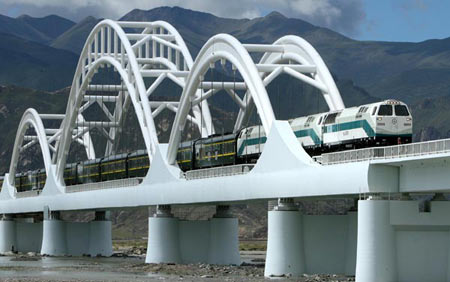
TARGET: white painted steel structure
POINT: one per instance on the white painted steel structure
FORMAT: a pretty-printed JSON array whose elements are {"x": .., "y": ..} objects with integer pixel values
[{"x": 137, "y": 51}]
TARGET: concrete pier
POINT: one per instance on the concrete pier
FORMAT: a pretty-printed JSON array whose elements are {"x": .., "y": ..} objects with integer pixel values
[
  {"x": 60, "y": 238},
  {"x": 7, "y": 234},
  {"x": 285, "y": 250},
  {"x": 163, "y": 238},
  {"x": 224, "y": 241},
  {"x": 54, "y": 235},
  {"x": 398, "y": 242},
  {"x": 100, "y": 239},
  {"x": 212, "y": 241},
  {"x": 309, "y": 244}
]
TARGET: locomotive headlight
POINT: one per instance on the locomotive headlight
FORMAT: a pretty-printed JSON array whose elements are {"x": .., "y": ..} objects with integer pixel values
[
  {"x": 379, "y": 118},
  {"x": 408, "y": 119}
]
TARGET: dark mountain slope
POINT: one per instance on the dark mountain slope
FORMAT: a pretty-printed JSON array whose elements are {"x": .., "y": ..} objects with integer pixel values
[
  {"x": 74, "y": 38},
  {"x": 22, "y": 29},
  {"x": 34, "y": 65},
  {"x": 14, "y": 101},
  {"x": 52, "y": 25}
]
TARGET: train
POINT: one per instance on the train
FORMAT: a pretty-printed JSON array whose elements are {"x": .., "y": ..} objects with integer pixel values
[
  {"x": 383, "y": 123},
  {"x": 131, "y": 165},
  {"x": 378, "y": 124}
]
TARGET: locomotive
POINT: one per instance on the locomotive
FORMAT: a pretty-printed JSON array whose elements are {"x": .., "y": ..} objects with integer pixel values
[{"x": 378, "y": 124}]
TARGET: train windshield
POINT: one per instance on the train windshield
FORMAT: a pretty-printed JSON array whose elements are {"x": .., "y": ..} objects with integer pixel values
[
  {"x": 331, "y": 118},
  {"x": 401, "y": 110},
  {"x": 385, "y": 110}
]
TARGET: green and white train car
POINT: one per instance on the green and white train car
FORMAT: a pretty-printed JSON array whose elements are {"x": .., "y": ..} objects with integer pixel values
[{"x": 378, "y": 124}]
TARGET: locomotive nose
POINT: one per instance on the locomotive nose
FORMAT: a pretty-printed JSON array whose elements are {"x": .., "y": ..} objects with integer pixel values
[{"x": 394, "y": 122}]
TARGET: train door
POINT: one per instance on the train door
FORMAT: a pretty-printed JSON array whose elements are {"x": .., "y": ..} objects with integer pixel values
[{"x": 320, "y": 128}]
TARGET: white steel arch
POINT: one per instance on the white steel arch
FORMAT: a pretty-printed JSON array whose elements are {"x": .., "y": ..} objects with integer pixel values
[
  {"x": 141, "y": 50},
  {"x": 220, "y": 47},
  {"x": 71, "y": 128},
  {"x": 158, "y": 51},
  {"x": 172, "y": 60},
  {"x": 295, "y": 56},
  {"x": 30, "y": 118}
]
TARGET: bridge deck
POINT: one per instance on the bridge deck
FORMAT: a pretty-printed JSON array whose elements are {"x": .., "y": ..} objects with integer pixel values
[{"x": 283, "y": 170}]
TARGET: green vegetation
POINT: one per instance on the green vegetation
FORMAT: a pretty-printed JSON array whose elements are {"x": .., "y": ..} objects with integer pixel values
[
  {"x": 124, "y": 244},
  {"x": 257, "y": 245}
]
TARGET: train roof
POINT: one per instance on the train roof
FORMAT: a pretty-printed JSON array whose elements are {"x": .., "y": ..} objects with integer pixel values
[
  {"x": 216, "y": 138},
  {"x": 115, "y": 157},
  {"x": 88, "y": 162},
  {"x": 138, "y": 153},
  {"x": 347, "y": 111}
]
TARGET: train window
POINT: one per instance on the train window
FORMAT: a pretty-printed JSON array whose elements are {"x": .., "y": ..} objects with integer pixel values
[
  {"x": 320, "y": 120},
  {"x": 310, "y": 119},
  {"x": 374, "y": 110},
  {"x": 385, "y": 110},
  {"x": 401, "y": 110},
  {"x": 331, "y": 118}
]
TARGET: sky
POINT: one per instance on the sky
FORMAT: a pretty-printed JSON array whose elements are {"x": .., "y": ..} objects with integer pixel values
[{"x": 386, "y": 20}]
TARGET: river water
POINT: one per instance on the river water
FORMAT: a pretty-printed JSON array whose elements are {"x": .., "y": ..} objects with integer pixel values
[{"x": 36, "y": 268}]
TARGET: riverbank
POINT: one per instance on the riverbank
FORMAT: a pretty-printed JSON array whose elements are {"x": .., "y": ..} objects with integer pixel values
[{"x": 127, "y": 268}]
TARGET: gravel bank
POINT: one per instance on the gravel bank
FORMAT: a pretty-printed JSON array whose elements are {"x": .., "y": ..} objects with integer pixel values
[{"x": 31, "y": 268}]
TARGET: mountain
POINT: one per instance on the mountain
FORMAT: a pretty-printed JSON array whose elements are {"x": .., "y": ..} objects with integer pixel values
[
  {"x": 30, "y": 64},
  {"x": 22, "y": 29},
  {"x": 410, "y": 72},
  {"x": 74, "y": 38},
  {"x": 384, "y": 69},
  {"x": 431, "y": 118},
  {"x": 52, "y": 26},
  {"x": 14, "y": 100},
  {"x": 405, "y": 71}
]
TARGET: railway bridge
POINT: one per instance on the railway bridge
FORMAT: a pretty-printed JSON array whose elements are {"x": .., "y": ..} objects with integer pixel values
[{"x": 387, "y": 237}]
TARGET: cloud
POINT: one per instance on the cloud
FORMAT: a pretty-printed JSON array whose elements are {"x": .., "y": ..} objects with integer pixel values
[{"x": 345, "y": 16}]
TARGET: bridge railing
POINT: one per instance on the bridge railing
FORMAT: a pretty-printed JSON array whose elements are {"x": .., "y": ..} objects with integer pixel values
[{"x": 388, "y": 152}]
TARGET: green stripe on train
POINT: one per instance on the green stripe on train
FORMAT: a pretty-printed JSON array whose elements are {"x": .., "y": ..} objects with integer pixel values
[
  {"x": 299, "y": 133},
  {"x": 250, "y": 142},
  {"x": 349, "y": 126},
  {"x": 308, "y": 132},
  {"x": 311, "y": 133}
]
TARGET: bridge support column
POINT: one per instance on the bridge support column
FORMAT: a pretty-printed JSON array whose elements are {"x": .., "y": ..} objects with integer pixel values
[
  {"x": 54, "y": 235},
  {"x": 352, "y": 235},
  {"x": 7, "y": 234},
  {"x": 376, "y": 253},
  {"x": 224, "y": 241},
  {"x": 100, "y": 241},
  {"x": 163, "y": 237},
  {"x": 309, "y": 244},
  {"x": 285, "y": 252},
  {"x": 29, "y": 234},
  {"x": 398, "y": 242}
]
